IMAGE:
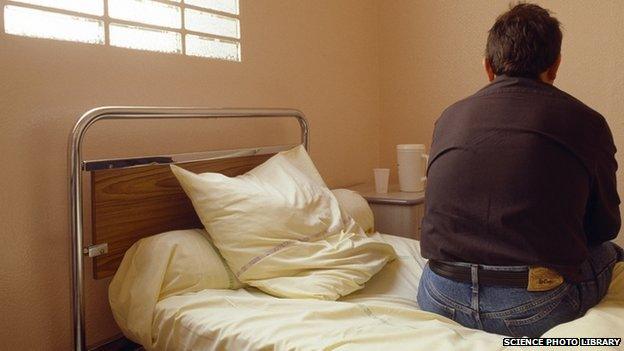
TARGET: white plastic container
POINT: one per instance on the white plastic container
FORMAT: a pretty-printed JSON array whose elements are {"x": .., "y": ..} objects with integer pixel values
[
  {"x": 381, "y": 179},
  {"x": 412, "y": 162}
]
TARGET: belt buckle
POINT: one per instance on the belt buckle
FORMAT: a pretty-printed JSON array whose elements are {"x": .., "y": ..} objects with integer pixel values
[{"x": 543, "y": 279}]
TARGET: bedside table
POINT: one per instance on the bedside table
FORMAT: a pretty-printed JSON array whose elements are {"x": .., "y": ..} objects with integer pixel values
[{"x": 396, "y": 212}]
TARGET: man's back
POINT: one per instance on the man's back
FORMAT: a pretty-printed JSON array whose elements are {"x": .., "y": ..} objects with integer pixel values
[
  {"x": 521, "y": 200},
  {"x": 521, "y": 173}
]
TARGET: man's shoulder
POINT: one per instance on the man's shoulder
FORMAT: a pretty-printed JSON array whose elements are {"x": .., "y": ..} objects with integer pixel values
[
  {"x": 468, "y": 101},
  {"x": 558, "y": 99},
  {"x": 578, "y": 104},
  {"x": 458, "y": 105}
]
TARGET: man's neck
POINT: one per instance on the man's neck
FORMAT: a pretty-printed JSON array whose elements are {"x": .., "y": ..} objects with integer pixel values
[{"x": 545, "y": 77}]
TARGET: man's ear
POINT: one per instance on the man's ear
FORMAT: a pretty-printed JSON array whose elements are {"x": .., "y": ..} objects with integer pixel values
[
  {"x": 551, "y": 73},
  {"x": 488, "y": 69}
]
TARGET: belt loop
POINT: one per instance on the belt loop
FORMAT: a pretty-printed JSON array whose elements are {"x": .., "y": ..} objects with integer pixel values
[{"x": 474, "y": 273}]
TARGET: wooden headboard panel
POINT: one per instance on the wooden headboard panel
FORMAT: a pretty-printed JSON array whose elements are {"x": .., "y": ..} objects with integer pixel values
[{"x": 128, "y": 204}]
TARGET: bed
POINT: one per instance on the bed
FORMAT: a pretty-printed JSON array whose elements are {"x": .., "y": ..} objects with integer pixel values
[{"x": 382, "y": 315}]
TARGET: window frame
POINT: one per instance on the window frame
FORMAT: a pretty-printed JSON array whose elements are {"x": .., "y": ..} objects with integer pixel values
[{"x": 183, "y": 31}]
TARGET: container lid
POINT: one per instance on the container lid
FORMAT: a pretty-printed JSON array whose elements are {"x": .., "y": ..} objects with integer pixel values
[{"x": 410, "y": 147}]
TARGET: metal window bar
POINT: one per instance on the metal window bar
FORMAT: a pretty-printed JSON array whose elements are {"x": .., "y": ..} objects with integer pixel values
[{"x": 76, "y": 168}]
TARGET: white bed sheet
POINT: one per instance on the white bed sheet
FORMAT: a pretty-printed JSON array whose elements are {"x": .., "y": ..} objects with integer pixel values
[
  {"x": 397, "y": 282},
  {"x": 248, "y": 319},
  {"x": 382, "y": 316}
]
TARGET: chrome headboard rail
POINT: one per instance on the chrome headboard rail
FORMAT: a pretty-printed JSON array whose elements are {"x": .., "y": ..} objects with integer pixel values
[
  {"x": 132, "y": 162},
  {"x": 76, "y": 167}
]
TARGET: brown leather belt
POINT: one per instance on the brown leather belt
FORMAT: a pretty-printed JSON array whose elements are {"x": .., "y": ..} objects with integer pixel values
[{"x": 515, "y": 279}]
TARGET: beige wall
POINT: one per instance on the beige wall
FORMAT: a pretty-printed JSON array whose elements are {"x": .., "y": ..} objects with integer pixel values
[
  {"x": 317, "y": 56},
  {"x": 431, "y": 52},
  {"x": 320, "y": 56}
]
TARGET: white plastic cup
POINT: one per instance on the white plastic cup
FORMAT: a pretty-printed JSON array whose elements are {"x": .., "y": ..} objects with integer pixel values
[
  {"x": 382, "y": 175},
  {"x": 412, "y": 162}
]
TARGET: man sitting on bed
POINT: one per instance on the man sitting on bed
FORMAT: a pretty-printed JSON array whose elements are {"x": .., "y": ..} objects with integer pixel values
[{"x": 521, "y": 199}]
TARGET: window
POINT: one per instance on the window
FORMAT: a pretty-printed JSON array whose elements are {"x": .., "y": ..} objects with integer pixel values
[{"x": 205, "y": 28}]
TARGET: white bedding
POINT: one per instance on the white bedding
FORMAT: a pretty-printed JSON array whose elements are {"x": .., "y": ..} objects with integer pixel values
[
  {"x": 397, "y": 282},
  {"x": 382, "y": 316},
  {"x": 281, "y": 230}
]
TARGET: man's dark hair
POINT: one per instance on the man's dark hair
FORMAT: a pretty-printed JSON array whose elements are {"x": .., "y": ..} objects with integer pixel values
[{"x": 524, "y": 42}]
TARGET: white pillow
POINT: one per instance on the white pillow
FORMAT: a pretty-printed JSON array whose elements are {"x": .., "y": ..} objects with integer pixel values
[
  {"x": 159, "y": 266},
  {"x": 281, "y": 229},
  {"x": 357, "y": 207}
]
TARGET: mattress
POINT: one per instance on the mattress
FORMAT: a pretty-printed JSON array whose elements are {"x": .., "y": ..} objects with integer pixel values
[{"x": 383, "y": 315}]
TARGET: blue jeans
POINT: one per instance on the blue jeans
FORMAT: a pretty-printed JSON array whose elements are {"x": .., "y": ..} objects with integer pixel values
[{"x": 516, "y": 311}]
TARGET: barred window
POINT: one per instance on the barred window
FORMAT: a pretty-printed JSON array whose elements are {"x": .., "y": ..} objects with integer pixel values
[{"x": 205, "y": 28}]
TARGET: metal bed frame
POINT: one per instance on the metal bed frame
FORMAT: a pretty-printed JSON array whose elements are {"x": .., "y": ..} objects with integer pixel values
[{"x": 77, "y": 166}]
